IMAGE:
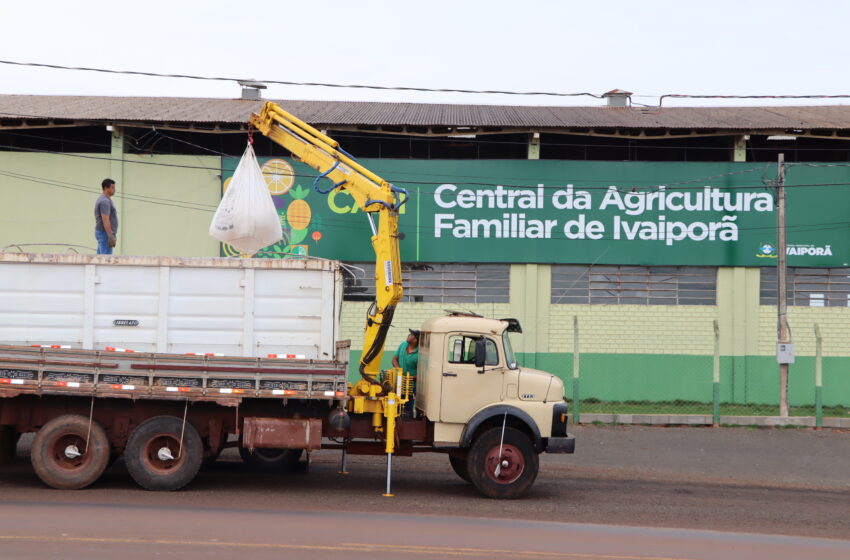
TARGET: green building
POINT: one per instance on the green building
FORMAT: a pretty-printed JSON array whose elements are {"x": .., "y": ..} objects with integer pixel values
[{"x": 623, "y": 233}]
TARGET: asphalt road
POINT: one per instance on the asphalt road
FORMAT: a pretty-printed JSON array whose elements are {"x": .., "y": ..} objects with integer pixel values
[{"x": 706, "y": 493}]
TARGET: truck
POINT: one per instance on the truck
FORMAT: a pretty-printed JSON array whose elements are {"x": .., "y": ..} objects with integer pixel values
[{"x": 150, "y": 366}]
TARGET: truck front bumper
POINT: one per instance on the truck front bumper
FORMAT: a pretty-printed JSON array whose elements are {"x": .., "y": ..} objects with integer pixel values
[{"x": 561, "y": 444}]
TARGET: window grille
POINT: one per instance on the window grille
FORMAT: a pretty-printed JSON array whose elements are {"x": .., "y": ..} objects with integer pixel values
[
  {"x": 808, "y": 287},
  {"x": 440, "y": 283},
  {"x": 640, "y": 285}
]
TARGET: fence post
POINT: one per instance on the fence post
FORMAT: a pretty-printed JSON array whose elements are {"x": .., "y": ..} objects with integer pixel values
[
  {"x": 576, "y": 400},
  {"x": 818, "y": 377},
  {"x": 716, "y": 398}
]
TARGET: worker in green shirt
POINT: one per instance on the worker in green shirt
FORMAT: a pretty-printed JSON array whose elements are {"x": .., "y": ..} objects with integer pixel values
[
  {"x": 407, "y": 358},
  {"x": 407, "y": 355}
]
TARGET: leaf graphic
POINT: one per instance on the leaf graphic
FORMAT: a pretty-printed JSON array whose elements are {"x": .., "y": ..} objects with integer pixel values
[
  {"x": 298, "y": 193},
  {"x": 298, "y": 235}
]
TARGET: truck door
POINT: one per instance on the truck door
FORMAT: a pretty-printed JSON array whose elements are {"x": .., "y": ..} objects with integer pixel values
[{"x": 465, "y": 389}]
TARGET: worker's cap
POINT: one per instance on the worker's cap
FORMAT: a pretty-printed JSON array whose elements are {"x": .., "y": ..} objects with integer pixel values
[{"x": 414, "y": 332}]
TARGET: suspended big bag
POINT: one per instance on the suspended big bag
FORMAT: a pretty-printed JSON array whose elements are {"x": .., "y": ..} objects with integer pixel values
[{"x": 246, "y": 217}]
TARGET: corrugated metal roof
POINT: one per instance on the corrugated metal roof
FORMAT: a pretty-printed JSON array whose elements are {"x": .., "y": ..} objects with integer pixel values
[{"x": 353, "y": 113}]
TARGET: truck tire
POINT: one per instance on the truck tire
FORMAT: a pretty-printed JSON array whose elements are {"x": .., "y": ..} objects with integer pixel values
[
  {"x": 459, "y": 465},
  {"x": 519, "y": 463},
  {"x": 270, "y": 460},
  {"x": 155, "y": 457},
  {"x": 8, "y": 444},
  {"x": 61, "y": 456}
]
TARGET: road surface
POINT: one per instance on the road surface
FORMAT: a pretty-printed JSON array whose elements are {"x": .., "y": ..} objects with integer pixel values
[{"x": 629, "y": 493}]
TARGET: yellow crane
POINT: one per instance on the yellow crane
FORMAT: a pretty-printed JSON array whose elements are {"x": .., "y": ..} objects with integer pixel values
[{"x": 377, "y": 198}]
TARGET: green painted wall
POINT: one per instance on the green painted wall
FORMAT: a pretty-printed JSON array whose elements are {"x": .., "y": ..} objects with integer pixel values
[
  {"x": 50, "y": 199},
  {"x": 657, "y": 353},
  {"x": 665, "y": 378},
  {"x": 661, "y": 378},
  {"x": 163, "y": 209}
]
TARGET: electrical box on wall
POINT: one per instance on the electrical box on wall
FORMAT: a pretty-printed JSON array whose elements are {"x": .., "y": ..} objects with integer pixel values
[{"x": 785, "y": 353}]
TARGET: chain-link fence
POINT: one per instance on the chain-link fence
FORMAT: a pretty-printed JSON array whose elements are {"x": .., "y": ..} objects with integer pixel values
[{"x": 712, "y": 388}]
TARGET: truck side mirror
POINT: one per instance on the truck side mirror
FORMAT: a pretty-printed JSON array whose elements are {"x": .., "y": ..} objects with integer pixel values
[{"x": 480, "y": 353}]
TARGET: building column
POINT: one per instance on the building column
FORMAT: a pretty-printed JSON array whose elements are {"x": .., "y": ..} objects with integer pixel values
[
  {"x": 738, "y": 312},
  {"x": 531, "y": 288},
  {"x": 738, "y": 306},
  {"x": 739, "y": 148},
  {"x": 534, "y": 146},
  {"x": 116, "y": 173}
]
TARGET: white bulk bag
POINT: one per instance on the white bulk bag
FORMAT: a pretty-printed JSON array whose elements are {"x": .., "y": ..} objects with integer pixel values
[{"x": 246, "y": 217}]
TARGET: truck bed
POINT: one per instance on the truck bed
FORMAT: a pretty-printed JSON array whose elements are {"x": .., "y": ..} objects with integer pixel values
[{"x": 137, "y": 375}]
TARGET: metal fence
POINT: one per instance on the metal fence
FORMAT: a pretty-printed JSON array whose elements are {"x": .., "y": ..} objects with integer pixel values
[{"x": 711, "y": 388}]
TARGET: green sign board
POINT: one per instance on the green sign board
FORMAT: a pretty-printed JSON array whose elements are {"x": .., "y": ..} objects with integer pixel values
[{"x": 546, "y": 211}]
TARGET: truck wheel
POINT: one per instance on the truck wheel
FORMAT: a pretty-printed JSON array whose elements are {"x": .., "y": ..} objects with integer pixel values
[
  {"x": 517, "y": 464},
  {"x": 61, "y": 456},
  {"x": 155, "y": 457},
  {"x": 459, "y": 465},
  {"x": 271, "y": 459}
]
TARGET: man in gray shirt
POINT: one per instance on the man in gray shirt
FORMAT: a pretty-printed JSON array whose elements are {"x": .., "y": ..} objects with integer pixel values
[{"x": 105, "y": 219}]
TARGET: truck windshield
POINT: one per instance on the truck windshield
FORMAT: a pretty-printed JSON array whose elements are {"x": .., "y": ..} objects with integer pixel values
[{"x": 510, "y": 357}]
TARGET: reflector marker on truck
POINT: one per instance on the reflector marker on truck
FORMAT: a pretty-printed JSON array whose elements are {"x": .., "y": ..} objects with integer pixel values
[
  {"x": 113, "y": 349},
  {"x": 123, "y": 387},
  {"x": 284, "y": 392},
  {"x": 67, "y": 384},
  {"x": 49, "y": 346},
  {"x": 288, "y": 356},
  {"x": 228, "y": 391},
  {"x": 329, "y": 393},
  {"x": 12, "y": 381},
  {"x": 177, "y": 389},
  {"x": 203, "y": 354}
]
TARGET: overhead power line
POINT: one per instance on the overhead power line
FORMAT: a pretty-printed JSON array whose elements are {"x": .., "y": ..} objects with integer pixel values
[
  {"x": 289, "y": 83},
  {"x": 411, "y": 88}
]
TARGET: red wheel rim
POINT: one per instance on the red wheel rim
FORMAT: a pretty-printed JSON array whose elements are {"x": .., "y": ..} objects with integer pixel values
[
  {"x": 60, "y": 447},
  {"x": 151, "y": 455},
  {"x": 511, "y": 463}
]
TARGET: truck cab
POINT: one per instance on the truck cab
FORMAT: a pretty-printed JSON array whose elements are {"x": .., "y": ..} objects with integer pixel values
[{"x": 470, "y": 385}]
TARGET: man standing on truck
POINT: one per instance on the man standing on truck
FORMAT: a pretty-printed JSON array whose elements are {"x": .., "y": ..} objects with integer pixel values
[
  {"x": 407, "y": 355},
  {"x": 407, "y": 358},
  {"x": 105, "y": 219}
]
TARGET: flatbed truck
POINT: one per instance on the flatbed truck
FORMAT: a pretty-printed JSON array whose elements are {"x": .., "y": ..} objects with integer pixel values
[{"x": 167, "y": 411}]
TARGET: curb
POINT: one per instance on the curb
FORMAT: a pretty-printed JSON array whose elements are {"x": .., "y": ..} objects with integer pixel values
[{"x": 706, "y": 420}]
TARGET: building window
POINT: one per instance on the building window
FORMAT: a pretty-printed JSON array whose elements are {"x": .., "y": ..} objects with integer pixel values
[
  {"x": 809, "y": 287},
  {"x": 637, "y": 285},
  {"x": 431, "y": 282}
]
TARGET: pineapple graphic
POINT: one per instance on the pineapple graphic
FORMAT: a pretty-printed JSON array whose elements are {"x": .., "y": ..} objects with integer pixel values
[{"x": 296, "y": 218}]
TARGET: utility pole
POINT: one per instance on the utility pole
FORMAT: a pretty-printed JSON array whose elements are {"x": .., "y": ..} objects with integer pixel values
[{"x": 784, "y": 337}]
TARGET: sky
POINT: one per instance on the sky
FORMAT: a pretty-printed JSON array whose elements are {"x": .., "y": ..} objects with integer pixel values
[{"x": 719, "y": 47}]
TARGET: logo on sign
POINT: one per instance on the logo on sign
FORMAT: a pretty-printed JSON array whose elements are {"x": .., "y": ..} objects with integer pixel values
[
  {"x": 125, "y": 323},
  {"x": 766, "y": 251}
]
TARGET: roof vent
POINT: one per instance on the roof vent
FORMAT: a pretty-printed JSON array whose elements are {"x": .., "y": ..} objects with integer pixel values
[
  {"x": 251, "y": 89},
  {"x": 617, "y": 97}
]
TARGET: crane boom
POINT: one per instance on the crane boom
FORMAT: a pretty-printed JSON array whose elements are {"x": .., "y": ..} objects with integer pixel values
[{"x": 372, "y": 194}]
